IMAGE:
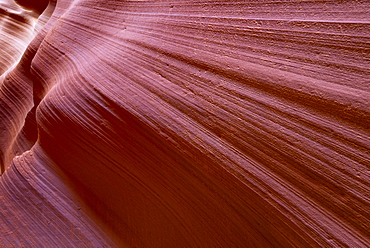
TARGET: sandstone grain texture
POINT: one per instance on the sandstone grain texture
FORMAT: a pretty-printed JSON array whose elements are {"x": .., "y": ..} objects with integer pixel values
[{"x": 185, "y": 123}]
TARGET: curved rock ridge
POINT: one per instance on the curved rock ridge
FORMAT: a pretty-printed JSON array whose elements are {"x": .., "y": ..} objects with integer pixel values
[
  {"x": 189, "y": 124},
  {"x": 20, "y": 93},
  {"x": 16, "y": 29},
  {"x": 35, "y": 6}
]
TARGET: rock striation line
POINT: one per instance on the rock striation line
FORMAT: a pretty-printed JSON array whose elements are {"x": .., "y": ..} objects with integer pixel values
[{"x": 187, "y": 124}]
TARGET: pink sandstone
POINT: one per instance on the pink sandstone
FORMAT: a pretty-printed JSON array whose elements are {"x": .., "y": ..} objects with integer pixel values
[{"x": 184, "y": 123}]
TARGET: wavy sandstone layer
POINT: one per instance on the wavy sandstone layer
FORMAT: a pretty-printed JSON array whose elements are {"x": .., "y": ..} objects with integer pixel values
[{"x": 185, "y": 124}]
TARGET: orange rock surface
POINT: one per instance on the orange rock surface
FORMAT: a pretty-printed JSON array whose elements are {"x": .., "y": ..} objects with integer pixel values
[{"x": 184, "y": 123}]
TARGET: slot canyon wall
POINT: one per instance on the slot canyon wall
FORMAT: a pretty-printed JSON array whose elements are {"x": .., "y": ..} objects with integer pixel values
[{"x": 185, "y": 123}]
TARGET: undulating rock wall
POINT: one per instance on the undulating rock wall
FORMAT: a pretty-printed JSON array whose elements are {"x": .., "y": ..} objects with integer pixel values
[{"x": 185, "y": 123}]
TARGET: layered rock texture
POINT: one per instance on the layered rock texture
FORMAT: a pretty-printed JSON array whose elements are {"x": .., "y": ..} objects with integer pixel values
[{"x": 185, "y": 123}]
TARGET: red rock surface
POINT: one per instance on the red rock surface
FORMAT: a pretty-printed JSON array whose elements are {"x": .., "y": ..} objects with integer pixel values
[{"x": 185, "y": 124}]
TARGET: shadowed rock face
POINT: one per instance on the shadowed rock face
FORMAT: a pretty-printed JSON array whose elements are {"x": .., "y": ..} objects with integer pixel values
[
  {"x": 37, "y": 6},
  {"x": 187, "y": 124}
]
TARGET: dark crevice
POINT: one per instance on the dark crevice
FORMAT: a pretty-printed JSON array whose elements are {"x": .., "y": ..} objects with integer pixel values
[
  {"x": 37, "y": 6},
  {"x": 27, "y": 135}
]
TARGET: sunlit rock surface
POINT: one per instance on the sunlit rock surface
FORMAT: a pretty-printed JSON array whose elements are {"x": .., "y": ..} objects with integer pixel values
[
  {"x": 16, "y": 32},
  {"x": 185, "y": 124}
]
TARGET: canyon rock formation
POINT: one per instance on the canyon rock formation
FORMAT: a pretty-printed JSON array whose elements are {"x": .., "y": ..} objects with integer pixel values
[{"x": 184, "y": 123}]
